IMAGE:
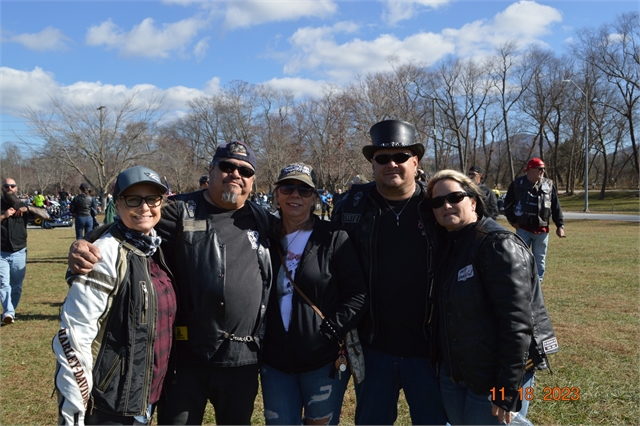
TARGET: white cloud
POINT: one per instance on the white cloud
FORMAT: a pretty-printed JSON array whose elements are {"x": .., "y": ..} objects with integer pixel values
[
  {"x": 244, "y": 14},
  {"x": 524, "y": 22},
  {"x": 316, "y": 49},
  {"x": 48, "y": 39},
  {"x": 301, "y": 87},
  {"x": 35, "y": 89},
  {"x": 146, "y": 39},
  {"x": 397, "y": 11}
]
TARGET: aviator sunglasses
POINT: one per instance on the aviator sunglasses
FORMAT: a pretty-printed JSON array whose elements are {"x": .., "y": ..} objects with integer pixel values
[
  {"x": 136, "y": 200},
  {"x": 451, "y": 198},
  {"x": 304, "y": 191},
  {"x": 398, "y": 158},
  {"x": 227, "y": 167}
]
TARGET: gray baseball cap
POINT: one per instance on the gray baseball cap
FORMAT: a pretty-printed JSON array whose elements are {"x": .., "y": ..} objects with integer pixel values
[{"x": 136, "y": 175}]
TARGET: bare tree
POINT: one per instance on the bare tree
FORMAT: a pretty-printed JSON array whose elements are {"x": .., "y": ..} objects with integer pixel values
[{"x": 98, "y": 142}]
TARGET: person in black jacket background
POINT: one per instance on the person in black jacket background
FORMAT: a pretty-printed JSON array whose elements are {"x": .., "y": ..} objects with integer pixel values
[
  {"x": 487, "y": 302},
  {"x": 301, "y": 381},
  {"x": 83, "y": 207}
]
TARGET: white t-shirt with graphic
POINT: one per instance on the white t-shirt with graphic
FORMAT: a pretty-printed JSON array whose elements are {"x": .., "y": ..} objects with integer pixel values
[{"x": 296, "y": 241}]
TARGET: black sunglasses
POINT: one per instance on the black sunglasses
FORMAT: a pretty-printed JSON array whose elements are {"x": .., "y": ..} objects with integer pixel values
[
  {"x": 136, "y": 200},
  {"x": 398, "y": 158},
  {"x": 227, "y": 167},
  {"x": 7, "y": 186},
  {"x": 304, "y": 191},
  {"x": 451, "y": 198}
]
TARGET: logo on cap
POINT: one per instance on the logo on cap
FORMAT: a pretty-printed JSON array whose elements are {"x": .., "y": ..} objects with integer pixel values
[
  {"x": 238, "y": 149},
  {"x": 296, "y": 168},
  {"x": 153, "y": 176}
]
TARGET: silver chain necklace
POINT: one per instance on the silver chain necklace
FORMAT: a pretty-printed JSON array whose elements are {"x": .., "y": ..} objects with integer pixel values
[{"x": 394, "y": 212}]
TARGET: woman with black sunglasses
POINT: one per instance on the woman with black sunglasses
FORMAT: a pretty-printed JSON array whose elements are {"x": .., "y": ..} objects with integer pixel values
[
  {"x": 116, "y": 323},
  {"x": 487, "y": 301},
  {"x": 304, "y": 372}
]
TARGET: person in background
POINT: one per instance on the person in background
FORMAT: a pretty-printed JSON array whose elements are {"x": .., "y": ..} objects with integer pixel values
[
  {"x": 216, "y": 243},
  {"x": 301, "y": 382},
  {"x": 13, "y": 261},
  {"x": 118, "y": 317},
  {"x": 109, "y": 211},
  {"x": 489, "y": 315},
  {"x": 390, "y": 224},
  {"x": 83, "y": 207},
  {"x": 490, "y": 199},
  {"x": 326, "y": 201},
  {"x": 204, "y": 181},
  {"x": 38, "y": 200},
  {"x": 531, "y": 201}
]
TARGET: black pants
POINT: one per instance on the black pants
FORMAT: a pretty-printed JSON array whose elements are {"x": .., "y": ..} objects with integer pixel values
[{"x": 231, "y": 390}]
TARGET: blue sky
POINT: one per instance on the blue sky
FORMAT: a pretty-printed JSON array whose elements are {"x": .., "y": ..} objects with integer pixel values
[{"x": 99, "y": 51}]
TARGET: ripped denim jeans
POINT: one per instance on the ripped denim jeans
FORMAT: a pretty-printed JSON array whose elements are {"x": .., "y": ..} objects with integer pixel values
[{"x": 314, "y": 395}]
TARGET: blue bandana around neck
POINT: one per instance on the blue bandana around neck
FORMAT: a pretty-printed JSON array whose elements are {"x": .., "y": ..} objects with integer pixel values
[{"x": 148, "y": 244}]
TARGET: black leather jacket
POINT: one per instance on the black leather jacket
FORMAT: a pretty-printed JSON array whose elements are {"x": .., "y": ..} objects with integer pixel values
[
  {"x": 359, "y": 215},
  {"x": 199, "y": 262},
  {"x": 330, "y": 276},
  {"x": 488, "y": 306}
]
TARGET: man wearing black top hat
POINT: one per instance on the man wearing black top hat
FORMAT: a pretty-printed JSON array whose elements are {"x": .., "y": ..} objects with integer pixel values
[
  {"x": 490, "y": 199},
  {"x": 392, "y": 227}
]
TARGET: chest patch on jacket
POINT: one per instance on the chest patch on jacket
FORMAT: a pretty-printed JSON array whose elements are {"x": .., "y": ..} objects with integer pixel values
[
  {"x": 350, "y": 218},
  {"x": 194, "y": 225},
  {"x": 465, "y": 273},
  {"x": 253, "y": 238}
]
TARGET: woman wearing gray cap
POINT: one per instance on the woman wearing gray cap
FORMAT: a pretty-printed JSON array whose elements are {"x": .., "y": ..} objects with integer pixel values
[
  {"x": 116, "y": 323},
  {"x": 304, "y": 374}
]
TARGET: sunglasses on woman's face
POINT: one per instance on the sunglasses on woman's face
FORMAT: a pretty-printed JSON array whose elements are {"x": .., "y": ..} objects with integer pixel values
[
  {"x": 136, "y": 200},
  {"x": 227, "y": 167},
  {"x": 451, "y": 198},
  {"x": 398, "y": 158},
  {"x": 304, "y": 191}
]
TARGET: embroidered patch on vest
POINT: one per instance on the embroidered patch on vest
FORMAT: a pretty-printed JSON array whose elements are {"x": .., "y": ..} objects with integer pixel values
[
  {"x": 194, "y": 225},
  {"x": 191, "y": 208},
  {"x": 350, "y": 218},
  {"x": 465, "y": 273},
  {"x": 180, "y": 333},
  {"x": 550, "y": 345},
  {"x": 253, "y": 238},
  {"x": 357, "y": 198}
]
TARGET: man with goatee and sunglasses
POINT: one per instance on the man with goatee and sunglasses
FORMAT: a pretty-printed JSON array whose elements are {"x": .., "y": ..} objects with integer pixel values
[
  {"x": 215, "y": 241},
  {"x": 13, "y": 263},
  {"x": 392, "y": 227}
]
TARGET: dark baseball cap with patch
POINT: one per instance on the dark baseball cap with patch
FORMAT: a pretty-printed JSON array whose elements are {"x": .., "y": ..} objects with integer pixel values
[
  {"x": 235, "y": 149},
  {"x": 136, "y": 175}
]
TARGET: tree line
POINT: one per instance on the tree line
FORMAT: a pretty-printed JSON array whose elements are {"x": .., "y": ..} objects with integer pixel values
[{"x": 496, "y": 112}]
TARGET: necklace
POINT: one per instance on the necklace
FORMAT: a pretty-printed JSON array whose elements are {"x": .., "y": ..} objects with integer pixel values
[{"x": 394, "y": 212}]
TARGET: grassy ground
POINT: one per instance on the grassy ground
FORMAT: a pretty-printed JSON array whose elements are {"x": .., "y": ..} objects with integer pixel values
[
  {"x": 614, "y": 202},
  {"x": 591, "y": 290}
]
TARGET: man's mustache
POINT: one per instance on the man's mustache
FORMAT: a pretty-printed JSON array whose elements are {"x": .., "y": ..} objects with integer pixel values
[{"x": 230, "y": 179}]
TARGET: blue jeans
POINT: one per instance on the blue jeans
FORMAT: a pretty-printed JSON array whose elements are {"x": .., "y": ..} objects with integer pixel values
[
  {"x": 529, "y": 382},
  {"x": 316, "y": 392},
  {"x": 13, "y": 267},
  {"x": 538, "y": 244},
  {"x": 83, "y": 223},
  {"x": 465, "y": 407},
  {"x": 377, "y": 395}
]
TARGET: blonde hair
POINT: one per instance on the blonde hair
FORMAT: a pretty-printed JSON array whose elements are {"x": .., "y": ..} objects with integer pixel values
[{"x": 469, "y": 186}]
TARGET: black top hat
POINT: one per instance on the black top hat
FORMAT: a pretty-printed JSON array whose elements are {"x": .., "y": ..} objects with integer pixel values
[{"x": 393, "y": 134}]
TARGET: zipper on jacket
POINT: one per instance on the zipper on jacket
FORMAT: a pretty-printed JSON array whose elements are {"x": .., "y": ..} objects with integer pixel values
[
  {"x": 150, "y": 302},
  {"x": 145, "y": 302},
  {"x": 118, "y": 364}
]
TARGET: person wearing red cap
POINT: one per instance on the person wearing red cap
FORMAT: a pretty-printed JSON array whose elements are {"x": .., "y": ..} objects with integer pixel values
[{"x": 531, "y": 201}]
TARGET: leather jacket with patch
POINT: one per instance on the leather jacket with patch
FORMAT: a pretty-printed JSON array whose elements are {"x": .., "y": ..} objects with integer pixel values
[
  {"x": 359, "y": 215},
  {"x": 104, "y": 347},
  {"x": 199, "y": 262},
  {"x": 489, "y": 311},
  {"x": 531, "y": 204}
]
